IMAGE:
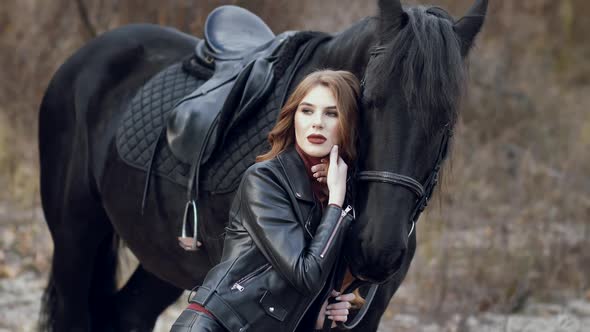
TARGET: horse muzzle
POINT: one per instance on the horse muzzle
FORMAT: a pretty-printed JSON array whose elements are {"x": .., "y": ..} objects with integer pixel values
[{"x": 380, "y": 269}]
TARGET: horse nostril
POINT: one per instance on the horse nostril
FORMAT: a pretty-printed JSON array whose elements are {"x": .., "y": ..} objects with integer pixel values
[
  {"x": 396, "y": 260},
  {"x": 382, "y": 268}
]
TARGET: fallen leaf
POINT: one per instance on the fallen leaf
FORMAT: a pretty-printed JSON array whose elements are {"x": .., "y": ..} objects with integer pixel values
[{"x": 7, "y": 271}]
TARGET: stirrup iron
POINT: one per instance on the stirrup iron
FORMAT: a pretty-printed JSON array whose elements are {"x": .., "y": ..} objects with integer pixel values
[{"x": 187, "y": 242}]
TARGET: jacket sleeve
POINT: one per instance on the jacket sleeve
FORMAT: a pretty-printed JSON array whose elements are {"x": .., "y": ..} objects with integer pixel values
[{"x": 269, "y": 218}]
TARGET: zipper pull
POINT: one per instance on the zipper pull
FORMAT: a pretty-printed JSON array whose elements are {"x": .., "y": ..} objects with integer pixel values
[
  {"x": 345, "y": 211},
  {"x": 238, "y": 287}
]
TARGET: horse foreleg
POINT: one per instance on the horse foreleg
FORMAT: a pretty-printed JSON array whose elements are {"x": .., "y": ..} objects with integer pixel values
[{"x": 143, "y": 298}]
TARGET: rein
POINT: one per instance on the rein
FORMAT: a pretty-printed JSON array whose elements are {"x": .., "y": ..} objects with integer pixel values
[{"x": 423, "y": 193}]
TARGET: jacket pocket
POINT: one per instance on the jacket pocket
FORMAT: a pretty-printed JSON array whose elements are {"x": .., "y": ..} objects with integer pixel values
[
  {"x": 240, "y": 285},
  {"x": 271, "y": 306}
]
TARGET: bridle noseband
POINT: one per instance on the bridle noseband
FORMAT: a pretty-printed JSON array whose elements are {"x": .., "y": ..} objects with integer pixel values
[{"x": 422, "y": 192}]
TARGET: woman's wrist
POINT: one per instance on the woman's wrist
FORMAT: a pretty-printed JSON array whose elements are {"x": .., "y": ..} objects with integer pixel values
[
  {"x": 335, "y": 201},
  {"x": 336, "y": 197}
]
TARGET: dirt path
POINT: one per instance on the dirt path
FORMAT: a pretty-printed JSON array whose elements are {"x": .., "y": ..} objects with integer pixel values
[
  {"x": 20, "y": 295},
  {"x": 573, "y": 316},
  {"x": 20, "y": 302},
  {"x": 25, "y": 250}
]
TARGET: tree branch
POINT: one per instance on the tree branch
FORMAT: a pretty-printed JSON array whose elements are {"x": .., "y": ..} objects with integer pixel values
[{"x": 83, "y": 11}]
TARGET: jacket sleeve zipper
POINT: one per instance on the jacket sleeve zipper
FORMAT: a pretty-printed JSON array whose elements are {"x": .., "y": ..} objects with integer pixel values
[
  {"x": 239, "y": 285},
  {"x": 331, "y": 238}
]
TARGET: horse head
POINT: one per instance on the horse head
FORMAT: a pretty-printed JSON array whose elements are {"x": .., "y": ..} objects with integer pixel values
[{"x": 412, "y": 87}]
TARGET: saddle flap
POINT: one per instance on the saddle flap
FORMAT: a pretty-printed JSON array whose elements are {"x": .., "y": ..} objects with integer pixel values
[
  {"x": 190, "y": 125},
  {"x": 254, "y": 89}
]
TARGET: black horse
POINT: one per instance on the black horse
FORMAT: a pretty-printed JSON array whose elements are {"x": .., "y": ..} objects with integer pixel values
[{"x": 411, "y": 62}]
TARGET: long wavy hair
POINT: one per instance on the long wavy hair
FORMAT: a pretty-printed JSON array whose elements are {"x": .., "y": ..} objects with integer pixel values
[{"x": 346, "y": 90}]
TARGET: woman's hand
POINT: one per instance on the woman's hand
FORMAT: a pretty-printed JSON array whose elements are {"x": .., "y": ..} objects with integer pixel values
[
  {"x": 337, "y": 312},
  {"x": 336, "y": 177},
  {"x": 320, "y": 171}
]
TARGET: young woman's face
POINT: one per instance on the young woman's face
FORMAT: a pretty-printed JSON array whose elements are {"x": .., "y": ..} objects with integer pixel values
[{"x": 317, "y": 126}]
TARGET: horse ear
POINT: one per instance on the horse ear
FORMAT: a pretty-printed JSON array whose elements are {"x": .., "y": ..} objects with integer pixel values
[
  {"x": 470, "y": 24},
  {"x": 391, "y": 14}
]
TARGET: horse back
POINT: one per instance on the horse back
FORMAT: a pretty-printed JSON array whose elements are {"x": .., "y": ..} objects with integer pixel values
[{"x": 85, "y": 98}]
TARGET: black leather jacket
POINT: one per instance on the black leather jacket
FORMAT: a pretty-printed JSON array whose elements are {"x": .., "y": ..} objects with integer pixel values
[{"x": 277, "y": 252}]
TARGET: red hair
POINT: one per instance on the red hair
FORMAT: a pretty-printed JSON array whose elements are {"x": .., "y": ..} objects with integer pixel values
[{"x": 346, "y": 90}]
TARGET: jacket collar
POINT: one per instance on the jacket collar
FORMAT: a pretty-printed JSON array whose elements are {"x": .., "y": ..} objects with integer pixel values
[{"x": 296, "y": 174}]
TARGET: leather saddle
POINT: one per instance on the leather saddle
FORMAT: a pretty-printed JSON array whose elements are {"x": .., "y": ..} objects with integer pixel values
[{"x": 241, "y": 50}]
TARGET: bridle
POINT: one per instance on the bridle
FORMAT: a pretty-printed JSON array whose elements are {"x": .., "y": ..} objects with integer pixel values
[{"x": 423, "y": 193}]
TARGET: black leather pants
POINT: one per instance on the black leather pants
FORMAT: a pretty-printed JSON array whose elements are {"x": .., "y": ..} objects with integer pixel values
[{"x": 196, "y": 321}]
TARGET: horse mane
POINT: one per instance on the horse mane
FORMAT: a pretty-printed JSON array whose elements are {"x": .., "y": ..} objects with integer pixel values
[{"x": 425, "y": 57}]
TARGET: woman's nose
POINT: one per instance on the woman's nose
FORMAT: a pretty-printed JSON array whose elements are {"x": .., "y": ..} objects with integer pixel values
[{"x": 317, "y": 121}]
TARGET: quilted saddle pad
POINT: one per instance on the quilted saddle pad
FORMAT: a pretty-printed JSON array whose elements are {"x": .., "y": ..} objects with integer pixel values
[{"x": 146, "y": 117}]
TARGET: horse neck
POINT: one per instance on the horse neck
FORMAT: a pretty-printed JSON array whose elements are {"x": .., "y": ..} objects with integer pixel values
[{"x": 349, "y": 49}]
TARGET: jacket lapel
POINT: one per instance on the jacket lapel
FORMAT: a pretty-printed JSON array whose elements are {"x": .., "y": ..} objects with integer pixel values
[
  {"x": 298, "y": 180},
  {"x": 296, "y": 174}
]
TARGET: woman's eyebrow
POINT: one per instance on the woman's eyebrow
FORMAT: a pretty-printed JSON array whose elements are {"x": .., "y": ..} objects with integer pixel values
[{"x": 312, "y": 105}]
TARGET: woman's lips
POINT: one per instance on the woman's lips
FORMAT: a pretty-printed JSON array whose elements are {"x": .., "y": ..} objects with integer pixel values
[{"x": 316, "y": 139}]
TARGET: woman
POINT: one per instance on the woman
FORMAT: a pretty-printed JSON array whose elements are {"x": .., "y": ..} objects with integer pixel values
[{"x": 286, "y": 223}]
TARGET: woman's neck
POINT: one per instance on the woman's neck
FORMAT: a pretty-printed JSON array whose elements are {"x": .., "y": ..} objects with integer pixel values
[
  {"x": 308, "y": 160},
  {"x": 320, "y": 190}
]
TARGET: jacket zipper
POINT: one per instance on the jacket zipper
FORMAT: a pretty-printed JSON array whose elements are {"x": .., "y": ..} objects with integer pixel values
[
  {"x": 331, "y": 238},
  {"x": 239, "y": 285},
  {"x": 314, "y": 297}
]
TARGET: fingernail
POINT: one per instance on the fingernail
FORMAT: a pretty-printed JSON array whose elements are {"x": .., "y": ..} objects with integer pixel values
[
  {"x": 338, "y": 298},
  {"x": 331, "y": 317},
  {"x": 327, "y": 312}
]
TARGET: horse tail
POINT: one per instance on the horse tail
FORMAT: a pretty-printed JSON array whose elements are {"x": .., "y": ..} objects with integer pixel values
[{"x": 56, "y": 124}]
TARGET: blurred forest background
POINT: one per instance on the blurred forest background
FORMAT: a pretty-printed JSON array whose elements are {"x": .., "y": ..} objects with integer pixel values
[{"x": 512, "y": 222}]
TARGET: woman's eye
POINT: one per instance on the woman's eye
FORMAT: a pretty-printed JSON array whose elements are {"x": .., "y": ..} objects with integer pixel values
[
  {"x": 332, "y": 114},
  {"x": 306, "y": 111}
]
